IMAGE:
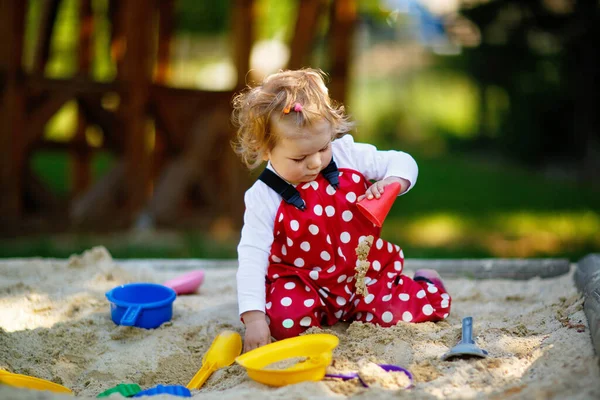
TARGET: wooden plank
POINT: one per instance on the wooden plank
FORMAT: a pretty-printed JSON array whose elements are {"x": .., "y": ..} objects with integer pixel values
[
  {"x": 166, "y": 27},
  {"x": 307, "y": 21},
  {"x": 117, "y": 33},
  {"x": 49, "y": 10},
  {"x": 75, "y": 85},
  {"x": 39, "y": 111},
  {"x": 176, "y": 109},
  {"x": 79, "y": 146},
  {"x": 12, "y": 107},
  {"x": 90, "y": 105},
  {"x": 340, "y": 47}
]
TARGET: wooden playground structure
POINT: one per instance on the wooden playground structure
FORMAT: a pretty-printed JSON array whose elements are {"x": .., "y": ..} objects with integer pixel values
[{"x": 189, "y": 177}]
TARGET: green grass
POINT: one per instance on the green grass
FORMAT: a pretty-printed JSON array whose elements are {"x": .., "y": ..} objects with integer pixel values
[{"x": 462, "y": 208}]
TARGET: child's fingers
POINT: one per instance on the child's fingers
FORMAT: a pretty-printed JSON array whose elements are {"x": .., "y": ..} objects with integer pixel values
[{"x": 376, "y": 190}]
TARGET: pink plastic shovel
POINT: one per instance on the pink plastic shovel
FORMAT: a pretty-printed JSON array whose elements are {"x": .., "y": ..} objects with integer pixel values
[{"x": 187, "y": 283}]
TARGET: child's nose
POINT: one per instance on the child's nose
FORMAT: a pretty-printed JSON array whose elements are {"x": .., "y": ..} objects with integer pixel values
[{"x": 314, "y": 162}]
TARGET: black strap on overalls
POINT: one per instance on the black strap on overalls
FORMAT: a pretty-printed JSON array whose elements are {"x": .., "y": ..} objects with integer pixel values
[{"x": 289, "y": 193}]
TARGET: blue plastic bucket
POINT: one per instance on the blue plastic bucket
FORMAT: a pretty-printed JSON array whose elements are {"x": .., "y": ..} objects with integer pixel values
[{"x": 144, "y": 305}]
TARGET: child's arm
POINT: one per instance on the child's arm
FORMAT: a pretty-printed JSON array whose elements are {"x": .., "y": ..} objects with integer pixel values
[
  {"x": 384, "y": 167},
  {"x": 253, "y": 258}
]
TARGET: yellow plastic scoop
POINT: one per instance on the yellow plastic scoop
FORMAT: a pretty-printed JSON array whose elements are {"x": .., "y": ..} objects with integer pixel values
[
  {"x": 221, "y": 353},
  {"x": 30, "y": 382},
  {"x": 314, "y": 353}
]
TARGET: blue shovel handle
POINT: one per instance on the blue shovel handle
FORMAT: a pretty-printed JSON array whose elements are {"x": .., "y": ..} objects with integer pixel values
[
  {"x": 467, "y": 330},
  {"x": 130, "y": 316}
]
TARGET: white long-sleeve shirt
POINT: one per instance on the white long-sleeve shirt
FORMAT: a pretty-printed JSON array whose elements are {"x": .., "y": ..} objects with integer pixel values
[{"x": 262, "y": 204}]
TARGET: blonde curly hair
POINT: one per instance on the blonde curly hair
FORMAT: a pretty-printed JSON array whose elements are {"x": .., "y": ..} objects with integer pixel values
[{"x": 276, "y": 96}]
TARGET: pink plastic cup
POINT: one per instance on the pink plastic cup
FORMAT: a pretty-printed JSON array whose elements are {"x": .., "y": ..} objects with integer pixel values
[{"x": 187, "y": 283}]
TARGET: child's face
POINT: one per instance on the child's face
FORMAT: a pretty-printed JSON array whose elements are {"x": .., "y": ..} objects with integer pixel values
[{"x": 301, "y": 152}]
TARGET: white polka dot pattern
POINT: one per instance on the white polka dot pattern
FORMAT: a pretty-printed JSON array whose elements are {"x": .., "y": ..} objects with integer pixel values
[
  {"x": 347, "y": 216},
  {"x": 286, "y": 301},
  {"x": 318, "y": 246}
]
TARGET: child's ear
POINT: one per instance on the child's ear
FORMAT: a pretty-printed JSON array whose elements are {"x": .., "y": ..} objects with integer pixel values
[{"x": 266, "y": 155}]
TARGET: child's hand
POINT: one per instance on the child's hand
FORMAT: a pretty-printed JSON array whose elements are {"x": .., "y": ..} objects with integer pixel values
[
  {"x": 377, "y": 189},
  {"x": 257, "y": 330}
]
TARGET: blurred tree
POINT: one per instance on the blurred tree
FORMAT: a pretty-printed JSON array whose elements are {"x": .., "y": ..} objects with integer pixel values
[
  {"x": 543, "y": 54},
  {"x": 204, "y": 17}
]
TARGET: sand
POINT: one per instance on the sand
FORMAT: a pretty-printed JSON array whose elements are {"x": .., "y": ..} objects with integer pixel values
[
  {"x": 55, "y": 324},
  {"x": 362, "y": 265}
]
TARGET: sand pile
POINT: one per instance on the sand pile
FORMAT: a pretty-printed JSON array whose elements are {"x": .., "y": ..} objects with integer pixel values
[{"x": 55, "y": 324}]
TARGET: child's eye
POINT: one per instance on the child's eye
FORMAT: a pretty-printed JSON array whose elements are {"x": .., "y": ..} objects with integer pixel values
[{"x": 298, "y": 160}]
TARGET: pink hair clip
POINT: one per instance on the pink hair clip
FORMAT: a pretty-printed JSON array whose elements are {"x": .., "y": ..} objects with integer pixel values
[{"x": 297, "y": 108}]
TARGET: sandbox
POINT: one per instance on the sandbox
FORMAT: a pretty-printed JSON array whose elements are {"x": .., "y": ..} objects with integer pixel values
[{"x": 55, "y": 324}]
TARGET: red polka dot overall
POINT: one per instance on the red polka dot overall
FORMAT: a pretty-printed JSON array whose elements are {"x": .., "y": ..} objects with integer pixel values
[{"x": 310, "y": 279}]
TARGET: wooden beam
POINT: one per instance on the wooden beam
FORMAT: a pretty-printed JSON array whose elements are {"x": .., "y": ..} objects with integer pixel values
[
  {"x": 12, "y": 108},
  {"x": 75, "y": 85},
  {"x": 307, "y": 22},
  {"x": 72, "y": 146}
]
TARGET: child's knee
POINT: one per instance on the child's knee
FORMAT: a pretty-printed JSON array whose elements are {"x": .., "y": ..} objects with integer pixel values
[
  {"x": 285, "y": 324},
  {"x": 283, "y": 327}
]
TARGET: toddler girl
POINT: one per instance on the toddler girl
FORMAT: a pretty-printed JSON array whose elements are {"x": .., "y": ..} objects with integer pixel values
[{"x": 297, "y": 253}]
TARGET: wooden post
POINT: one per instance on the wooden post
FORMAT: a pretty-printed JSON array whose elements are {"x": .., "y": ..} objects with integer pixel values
[
  {"x": 243, "y": 37},
  {"x": 136, "y": 73},
  {"x": 81, "y": 158},
  {"x": 12, "y": 108},
  {"x": 341, "y": 36},
  {"x": 307, "y": 20},
  {"x": 166, "y": 26}
]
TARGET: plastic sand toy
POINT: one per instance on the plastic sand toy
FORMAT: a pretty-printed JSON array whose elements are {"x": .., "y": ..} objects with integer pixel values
[
  {"x": 377, "y": 209},
  {"x": 124, "y": 389},
  {"x": 30, "y": 382},
  {"x": 226, "y": 346},
  {"x": 187, "y": 283},
  {"x": 143, "y": 305},
  {"x": 385, "y": 367},
  {"x": 466, "y": 347},
  {"x": 310, "y": 356},
  {"x": 173, "y": 390}
]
